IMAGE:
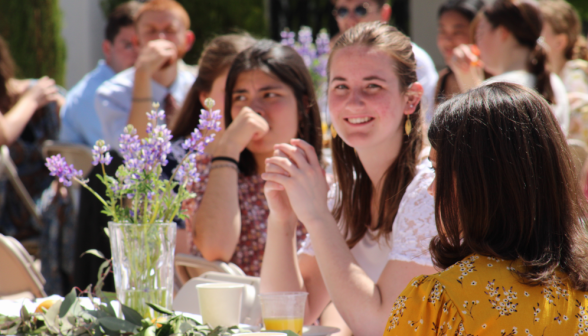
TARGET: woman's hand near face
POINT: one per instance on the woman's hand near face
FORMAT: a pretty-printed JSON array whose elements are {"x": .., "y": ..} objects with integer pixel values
[
  {"x": 247, "y": 126},
  {"x": 43, "y": 92},
  {"x": 467, "y": 66},
  {"x": 303, "y": 180}
]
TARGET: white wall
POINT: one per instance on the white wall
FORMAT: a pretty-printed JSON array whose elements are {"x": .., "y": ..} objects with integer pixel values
[
  {"x": 423, "y": 27},
  {"x": 83, "y": 31}
]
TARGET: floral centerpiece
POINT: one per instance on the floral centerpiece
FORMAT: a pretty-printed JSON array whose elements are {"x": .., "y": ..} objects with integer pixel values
[
  {"x": 143, "y": 206},
  {"x": 315, "y": 55}
]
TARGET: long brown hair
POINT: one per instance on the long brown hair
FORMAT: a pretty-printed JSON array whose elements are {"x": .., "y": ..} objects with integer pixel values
[
  {"x": 7, "y": 68},
  {"x": 522, "y": 18},
  {"x": 506, "y": 186},
  {"x": 353, "y": 203},
  {"x": 564, "y": 19},
  {"x": 288, "y": 66},
  {"x": 218, "y": 55}
]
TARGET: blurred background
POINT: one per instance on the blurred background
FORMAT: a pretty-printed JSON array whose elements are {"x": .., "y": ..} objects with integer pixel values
[{"x": 62, "y": 38}]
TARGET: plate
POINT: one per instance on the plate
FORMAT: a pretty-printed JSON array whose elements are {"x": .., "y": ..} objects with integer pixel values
[{"x": 319, "y": 330}]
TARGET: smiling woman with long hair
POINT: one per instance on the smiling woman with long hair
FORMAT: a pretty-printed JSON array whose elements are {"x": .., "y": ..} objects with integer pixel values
[
  {"x": 511, "y": 219},
  {"x": 369, "y": 235}
]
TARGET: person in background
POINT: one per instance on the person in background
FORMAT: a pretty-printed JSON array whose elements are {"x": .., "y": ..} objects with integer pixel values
[
  {"x": 454, "y": 28},
  {"x": 269, "y": 99},
  {"x": 213, "y": 66},
  {"x": 163, "y": 38},
  {"x": 369, "y": 235},
  {"x": 349, "y": 13},
  {"x": 510, "y": 49},
  {"x": 28, "y": 116},
  {"x": 512, "y": 237},
  {"x": 568, "y": 57},
  {"x": 79, "y": 121}
]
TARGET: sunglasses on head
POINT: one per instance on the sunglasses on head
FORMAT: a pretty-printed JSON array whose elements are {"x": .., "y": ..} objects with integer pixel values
[{"x": 359, "y": 11}]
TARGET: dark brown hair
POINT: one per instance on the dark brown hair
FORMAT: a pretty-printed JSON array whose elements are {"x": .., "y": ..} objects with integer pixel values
[
  {"x": 218, "y": 55},
  {"x": 353, "y": 203},
  {"x": 288, "y": 66},
  {"x": 7, "y": 68},
  {"x": 506, "y": 186},
  {"x": 122, "y": 16},
  {"x": 564, "y": 19},
  {"x": 522, "y": 18}
]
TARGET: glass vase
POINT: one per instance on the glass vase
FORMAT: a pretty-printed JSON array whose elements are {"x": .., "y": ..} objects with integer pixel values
[{"x": 143, "y": 257}]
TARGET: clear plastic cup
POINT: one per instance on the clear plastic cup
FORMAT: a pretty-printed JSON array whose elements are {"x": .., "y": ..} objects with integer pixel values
[{"x": 283, "y": 310}]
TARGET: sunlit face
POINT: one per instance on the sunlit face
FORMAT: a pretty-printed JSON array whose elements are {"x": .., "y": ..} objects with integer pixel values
[
  {"x": 122, "y": 52},
  {"x": 166, "y": 25},
  {"x": 453, "y": 30},
  {"x": 217, "y": 92},
  {"x": 352, "y": 19},
  {"x": 365, "y": 98},
  {"x": 553, "y": 40},
  {"x": 274, "y": 101},
  {"x": 490, "y": 44}
]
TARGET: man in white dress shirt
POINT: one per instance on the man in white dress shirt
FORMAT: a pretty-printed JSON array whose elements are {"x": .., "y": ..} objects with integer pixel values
[
  {"x": 159, "y": 75},
  {"x": 348, "y": 13}
]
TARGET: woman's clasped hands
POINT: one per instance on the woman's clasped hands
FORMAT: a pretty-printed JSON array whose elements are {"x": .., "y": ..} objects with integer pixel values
[{"x": 296, "y": 186}]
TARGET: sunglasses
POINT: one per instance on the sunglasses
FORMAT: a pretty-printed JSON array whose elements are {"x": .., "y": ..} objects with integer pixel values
[{"x": 359, "y": 11}]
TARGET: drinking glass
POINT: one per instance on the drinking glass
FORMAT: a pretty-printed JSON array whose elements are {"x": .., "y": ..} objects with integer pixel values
[{"x": 283, "y": 310}]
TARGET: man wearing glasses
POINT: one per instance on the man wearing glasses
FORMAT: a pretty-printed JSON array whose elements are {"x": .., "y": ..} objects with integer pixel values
[{"x": 348, "y": 13}]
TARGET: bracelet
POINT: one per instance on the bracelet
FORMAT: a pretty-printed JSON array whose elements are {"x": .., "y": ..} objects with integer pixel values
[
  {"x": 146, "y": 99},
  {"x": 225, "y": 158},
  {"x": 224, "y": 165}
]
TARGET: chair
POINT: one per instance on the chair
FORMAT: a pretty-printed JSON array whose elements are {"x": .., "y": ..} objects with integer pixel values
[
  {"x": 579, "y": 151},
  {"x": 18, "y": 271},
  {"x": 189, "y": 266},
  {"x": 187, "y": 298},
  {"x": 78, "y": 155},
  {"x": 8, "y": 168}
]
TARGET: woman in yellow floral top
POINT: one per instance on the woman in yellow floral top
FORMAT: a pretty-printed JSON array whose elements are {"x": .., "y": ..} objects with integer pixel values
[{"x": 510, "y": 217}]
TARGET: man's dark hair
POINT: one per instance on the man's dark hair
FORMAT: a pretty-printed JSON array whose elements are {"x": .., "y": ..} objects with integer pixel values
[
  {"x": 122, "y": 16},
  {"x": 380, "y": 3}
]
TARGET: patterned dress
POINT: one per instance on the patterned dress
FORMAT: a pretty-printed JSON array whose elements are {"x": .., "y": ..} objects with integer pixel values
[
  {"x": 254, "y": 212},
  {"x": 481, "y": 296}
]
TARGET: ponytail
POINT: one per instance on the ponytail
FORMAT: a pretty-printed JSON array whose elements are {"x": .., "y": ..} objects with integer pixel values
[
  {"x": 537, "y": 66},
  {"x": 580, "y": 49}
]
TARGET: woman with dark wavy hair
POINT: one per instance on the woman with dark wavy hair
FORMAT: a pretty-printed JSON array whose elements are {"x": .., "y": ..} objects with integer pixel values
[
  {"x": 511, "y": 219},
  {"x": 269, "y": 99}
]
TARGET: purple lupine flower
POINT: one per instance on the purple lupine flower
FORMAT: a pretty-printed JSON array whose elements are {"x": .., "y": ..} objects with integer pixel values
[
  {"x": 58, "y": 167},
  {"x": 187, "y": 172},
  {"x": 323, "y": 41},
  {"x": 100, "y": 153},
  {"x": 288, "y": 38}
]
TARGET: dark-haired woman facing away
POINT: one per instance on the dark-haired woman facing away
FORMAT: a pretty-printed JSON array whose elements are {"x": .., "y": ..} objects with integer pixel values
[
  {"x": 454, "y": 28},
  {"x": 511, "y": 221},
  {"x": 508, "y": 36},
  {"x": 269, "y": 99}
]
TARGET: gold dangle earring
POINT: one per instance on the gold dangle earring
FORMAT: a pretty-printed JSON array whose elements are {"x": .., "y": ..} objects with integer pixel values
[
  {"x": 408, "y": 124},
  {"x": 333, "y": 132}
]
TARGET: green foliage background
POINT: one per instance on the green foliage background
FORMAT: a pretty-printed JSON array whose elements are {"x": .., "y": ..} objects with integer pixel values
[
  {"x": 210, "y": 18},
  {"x": 32, "y": 29}
]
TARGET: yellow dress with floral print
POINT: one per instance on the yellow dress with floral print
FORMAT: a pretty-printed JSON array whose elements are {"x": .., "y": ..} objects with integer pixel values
[{"x": 481, "y": 296}]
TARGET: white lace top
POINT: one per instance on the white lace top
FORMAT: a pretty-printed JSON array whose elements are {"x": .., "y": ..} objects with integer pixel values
[{"x": 412, "y": 230}]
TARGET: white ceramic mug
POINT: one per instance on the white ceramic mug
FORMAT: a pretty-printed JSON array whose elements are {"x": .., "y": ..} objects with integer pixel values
[{"x": 220, "y": 303}]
